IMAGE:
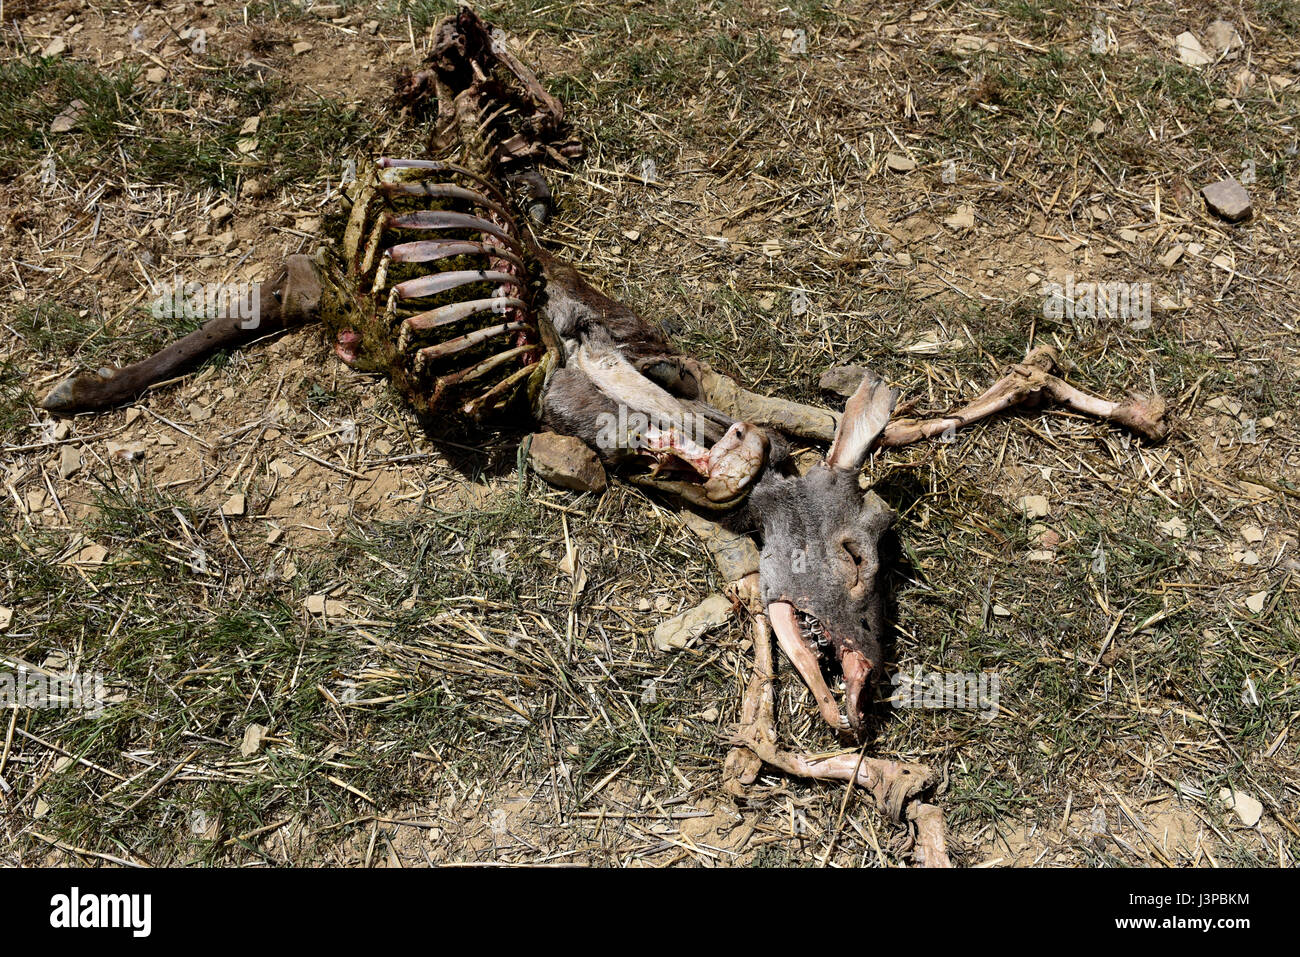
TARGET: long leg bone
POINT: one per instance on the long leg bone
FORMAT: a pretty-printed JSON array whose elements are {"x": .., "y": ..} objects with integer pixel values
[
  {"x": 1028, "y": 382},
  {"x": 290, "y": 299}
]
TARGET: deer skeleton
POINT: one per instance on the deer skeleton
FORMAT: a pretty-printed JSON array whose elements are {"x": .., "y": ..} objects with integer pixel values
[{"x": 501, "y": 326}]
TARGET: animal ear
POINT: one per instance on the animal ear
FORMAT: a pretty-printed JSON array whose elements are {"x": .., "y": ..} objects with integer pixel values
[{"x": 865, "y": 416}]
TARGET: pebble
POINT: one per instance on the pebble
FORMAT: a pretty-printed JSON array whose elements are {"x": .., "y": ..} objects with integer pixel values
[
  {"x": 69, "y": 461},
  {"x": 678, "y": 632},
  {"x": 1248, "y": 810},
  {"x": 963, "y": 218},
  {"x": 1190, "y": 50},
  {"x": 898, "y": 163},
  {"x": 1228, "y": 198},
  {"x": 1223, "y": 37},
  {"x": 1034, "y": 506}
]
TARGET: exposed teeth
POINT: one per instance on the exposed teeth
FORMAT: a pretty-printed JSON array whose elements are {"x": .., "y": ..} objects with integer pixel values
[{"x": 813, "y": 632}]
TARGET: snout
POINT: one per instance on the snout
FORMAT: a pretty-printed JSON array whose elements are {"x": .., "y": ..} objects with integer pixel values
[{"x": 807, "y": 654}]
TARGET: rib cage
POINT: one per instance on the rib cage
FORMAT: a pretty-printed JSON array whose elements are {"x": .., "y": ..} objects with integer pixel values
[{"x": 441, "y": 282}]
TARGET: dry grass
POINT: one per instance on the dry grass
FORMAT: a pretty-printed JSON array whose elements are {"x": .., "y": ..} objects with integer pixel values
[{"x": 481, "y": 684}]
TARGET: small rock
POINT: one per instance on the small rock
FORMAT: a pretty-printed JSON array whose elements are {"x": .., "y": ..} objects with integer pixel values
[
  {"x": 1223, "y": 37},
  {"x": 1225, "y": 404},
  {"x": 235, "y": 506},
  {"x": 1000, "y": 611},
  {"x": 69, "y": 118},
  {"x": 327, "y": 11},
  {"x": 372, "y": 27},
  {"x": 966, "y": 45},
  {"x": 254, "y": 734},
  {"x": 6, "y": 616},
  {"x": 1128, "y": 235},
  {"x": 324, "y": 605},
  {"x": 842, "y": 380},
  {"x": 1034, "y": 506},
  {"x": 301, "y": 47},
  {"x": 963, "y": 218},
  {"x": 1248, "y": 810},
  {"x": 155, "y": 75},
  {"x": 1190, "y": 50},
  {"x": 1252, "y": 533},
  {"x": 1228, "y": 198},
  {"x": 220, "y": 213},
  {"x": 1256, "y": 601},
  {"x": 1041, "y": 555},
  {"x": 898, "y": 163},
  {"x": 1169, "y": 259},
  {"x": 566, "y": 461},
  {"x": 69, "y": 461},
  {"x": 679, "y": 631},
  {"x": 1097, "y": 127},
  {"x": 1174, "y": 528},
  {"x": 92, "y": 554},
  {"x": 56, "y": 47}
]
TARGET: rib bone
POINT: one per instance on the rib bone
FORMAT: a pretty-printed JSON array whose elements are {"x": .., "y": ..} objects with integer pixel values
[{"x": 443, "y": 281}]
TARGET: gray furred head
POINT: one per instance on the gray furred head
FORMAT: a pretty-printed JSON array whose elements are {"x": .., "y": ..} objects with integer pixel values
[{"x": 819, "y": 563}]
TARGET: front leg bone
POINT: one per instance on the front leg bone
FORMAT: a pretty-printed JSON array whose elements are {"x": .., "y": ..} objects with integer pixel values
[{"x": 1026, "y": 383}]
